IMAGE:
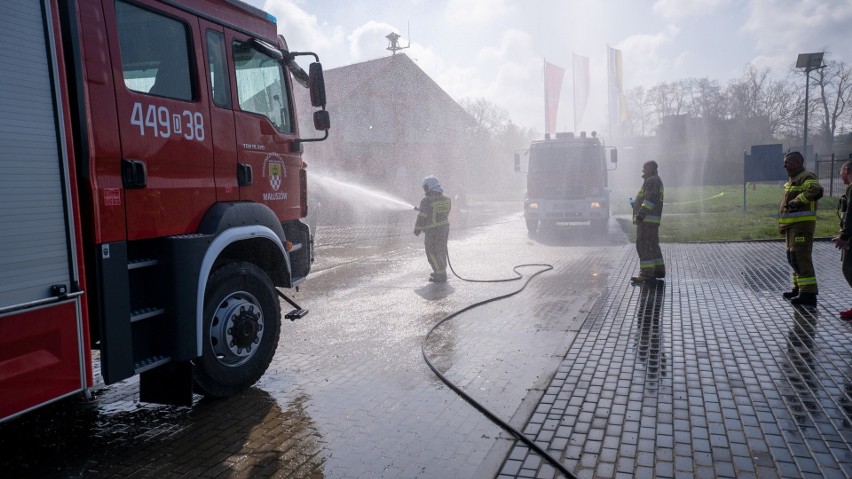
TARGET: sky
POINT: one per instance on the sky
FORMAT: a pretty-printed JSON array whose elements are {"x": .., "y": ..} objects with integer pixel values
[{"x": 495, "y": 49}]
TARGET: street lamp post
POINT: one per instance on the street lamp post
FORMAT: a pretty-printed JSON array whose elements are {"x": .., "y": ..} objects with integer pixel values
[{"x": 808, "y": 61}]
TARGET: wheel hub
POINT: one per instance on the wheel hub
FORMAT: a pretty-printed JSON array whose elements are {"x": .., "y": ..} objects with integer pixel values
[{"x": 237, "y": 329}]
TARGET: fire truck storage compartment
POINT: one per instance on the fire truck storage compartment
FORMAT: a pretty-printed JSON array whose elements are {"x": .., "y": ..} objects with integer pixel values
[{"x": 42, "y": 329}]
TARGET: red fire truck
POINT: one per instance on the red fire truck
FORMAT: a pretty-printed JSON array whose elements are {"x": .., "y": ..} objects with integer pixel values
[{"x": 152, "y": 186}]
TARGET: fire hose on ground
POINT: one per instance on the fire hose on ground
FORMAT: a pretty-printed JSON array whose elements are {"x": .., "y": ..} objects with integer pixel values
[{"x": 479, "y": 407}]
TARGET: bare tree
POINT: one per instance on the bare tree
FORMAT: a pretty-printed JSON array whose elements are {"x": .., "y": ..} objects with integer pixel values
[
  {"x": 640, "y": 110},
  {"x": 490, "y": 118},
  {"x": 705, "y": 98},
  {"x": 756, "y": 95},
  {"x": 669, "y": 99},
  {"x": 834, "y": 83}
]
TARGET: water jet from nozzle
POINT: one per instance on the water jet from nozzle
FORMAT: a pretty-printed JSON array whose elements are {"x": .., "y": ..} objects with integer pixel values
[{"x": 361, "y": 194}]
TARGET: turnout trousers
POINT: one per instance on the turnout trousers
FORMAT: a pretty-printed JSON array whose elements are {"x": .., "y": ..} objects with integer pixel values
[
  {"x": 436, "y": 248},
  {"x": 651, "y": 263},
  {"x": 800, "y": 243},
  {"x": 846, "y": 263}
]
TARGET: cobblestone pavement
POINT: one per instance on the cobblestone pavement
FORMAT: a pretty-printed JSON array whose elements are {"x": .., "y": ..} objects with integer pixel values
[{"x": 708, "y": 374}]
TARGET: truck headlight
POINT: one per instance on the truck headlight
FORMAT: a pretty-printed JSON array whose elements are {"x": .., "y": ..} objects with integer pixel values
[
  {"x": 533, "y": 206},
  {"x": 595, "y": 204}
]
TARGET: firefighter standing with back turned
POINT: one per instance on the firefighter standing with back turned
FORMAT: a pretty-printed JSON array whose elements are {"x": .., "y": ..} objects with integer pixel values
[
  {"x": 647, "y": 211},
  {"x": 842, "y": 242},
  {"x": 433, "y": 218},
  {"x": 797, "y": 222}
]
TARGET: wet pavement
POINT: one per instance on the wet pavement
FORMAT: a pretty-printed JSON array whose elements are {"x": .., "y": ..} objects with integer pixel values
[{"x": 709, "y": 374}]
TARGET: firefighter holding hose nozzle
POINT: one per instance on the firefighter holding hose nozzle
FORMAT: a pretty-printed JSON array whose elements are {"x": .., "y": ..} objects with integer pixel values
[{"x": 433, "y": 219}]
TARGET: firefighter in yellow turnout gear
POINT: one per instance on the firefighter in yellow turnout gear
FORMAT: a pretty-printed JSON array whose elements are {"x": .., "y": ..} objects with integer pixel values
[
  {"x": 433, "y": 219},
  {"x": 647, "y": 211},
  {"x": 797, "y": 222}
]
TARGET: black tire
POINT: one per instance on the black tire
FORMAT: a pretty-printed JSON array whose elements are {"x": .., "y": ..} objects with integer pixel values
[
  {"x": 532, "y": 225},
  {"x": 238, "y": 296}
]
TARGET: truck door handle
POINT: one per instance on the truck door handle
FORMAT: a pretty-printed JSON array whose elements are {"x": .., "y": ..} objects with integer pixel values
[
  {"x": 244, "y": 174},
  {"x": 134, "y": 174}
]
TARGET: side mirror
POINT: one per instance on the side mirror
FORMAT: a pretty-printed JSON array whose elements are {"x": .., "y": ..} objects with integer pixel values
[
  {"x": 613, "y": 155},
  {"x": 322, "y": 121},
  {"x": 517, "y": 162},
  {"x": 316, "y": 84}
]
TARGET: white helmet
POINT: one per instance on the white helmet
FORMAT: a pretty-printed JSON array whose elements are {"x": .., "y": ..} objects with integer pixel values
[{"x": 431, "y": 183}]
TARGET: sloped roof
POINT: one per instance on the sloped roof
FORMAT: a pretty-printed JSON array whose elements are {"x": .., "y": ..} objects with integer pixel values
[{"x": 343, "y": 82}]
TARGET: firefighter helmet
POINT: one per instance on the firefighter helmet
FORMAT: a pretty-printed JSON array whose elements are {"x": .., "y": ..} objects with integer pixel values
[{"x": 431, "y": 183}]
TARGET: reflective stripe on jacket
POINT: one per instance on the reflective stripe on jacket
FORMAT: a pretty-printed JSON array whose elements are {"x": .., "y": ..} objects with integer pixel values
[
  {"x": 804, "y": 190},
  {"x": 434, "y": 212}
]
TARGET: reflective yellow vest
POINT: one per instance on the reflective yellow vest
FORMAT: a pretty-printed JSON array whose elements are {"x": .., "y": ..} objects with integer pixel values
[{"x": 434, "y": 212}]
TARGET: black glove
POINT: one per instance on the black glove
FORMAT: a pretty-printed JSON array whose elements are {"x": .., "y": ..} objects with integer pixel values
[
  {"x": 416, "y": 232},
  {"x": 640, "y": 217}
]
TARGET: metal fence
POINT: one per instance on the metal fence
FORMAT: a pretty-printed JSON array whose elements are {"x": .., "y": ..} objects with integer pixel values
[{"x": 827, "y": 170}]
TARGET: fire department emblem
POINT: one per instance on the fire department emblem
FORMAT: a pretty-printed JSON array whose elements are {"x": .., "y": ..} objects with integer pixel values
[{"x": 274, "y": 169}]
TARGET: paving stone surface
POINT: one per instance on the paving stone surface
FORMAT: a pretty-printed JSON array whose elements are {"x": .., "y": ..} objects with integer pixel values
[{"x": 707, "y": 374}]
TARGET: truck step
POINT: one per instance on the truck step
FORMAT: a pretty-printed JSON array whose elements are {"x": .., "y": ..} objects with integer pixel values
[
  {"x": 296, "y": 314},
  {"x": 145, "y": 313},
  {"x": 150, "y": 363},
  {"x": 141, "y": 263}
]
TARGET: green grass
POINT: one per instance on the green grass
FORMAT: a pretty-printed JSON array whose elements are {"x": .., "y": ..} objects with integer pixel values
[{"x": 715, "y": 213}]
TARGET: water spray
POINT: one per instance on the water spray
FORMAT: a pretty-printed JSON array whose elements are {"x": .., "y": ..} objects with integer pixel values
[
  {"x": 359, "y": 193},
  {"x": 383, "y": 200}
]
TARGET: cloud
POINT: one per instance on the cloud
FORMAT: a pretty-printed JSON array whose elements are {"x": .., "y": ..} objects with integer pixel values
[
  {"x": 476, "y": 12},
  {"x": 302, "y": 30},
  {"x": 368, "y": 41},
  {"x": 677, "y": 9},
  {"x": 642, "y": 58},
  {"x": 782, "y": 29},
  {"x": 508, "y": 75}
]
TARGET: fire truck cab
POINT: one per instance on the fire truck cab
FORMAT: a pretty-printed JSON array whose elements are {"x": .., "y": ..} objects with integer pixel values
[
  {"x": 567, "y": 182},
  {"x": 152, "y": 188}
]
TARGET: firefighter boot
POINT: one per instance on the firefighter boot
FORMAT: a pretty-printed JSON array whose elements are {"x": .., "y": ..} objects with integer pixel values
[
  {"x": 791, "y": 294},
  {"x": 438, "y": 277},
  {"x": 805, "y": 299},
  {"x": 641, "y": 278}
]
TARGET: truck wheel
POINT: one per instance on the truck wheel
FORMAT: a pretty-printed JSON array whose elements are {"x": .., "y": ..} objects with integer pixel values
[
  {"x": 532, "y": 225},
  {"x": 242, "y": 323}
]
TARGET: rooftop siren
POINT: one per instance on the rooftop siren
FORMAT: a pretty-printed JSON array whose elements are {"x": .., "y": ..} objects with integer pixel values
[
  {"x": 393, "y": 42},
  {"x": 563, "y": 135}
]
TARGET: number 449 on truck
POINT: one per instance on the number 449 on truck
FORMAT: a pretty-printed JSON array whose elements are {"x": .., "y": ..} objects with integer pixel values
[{"x": 152, "y": 187}]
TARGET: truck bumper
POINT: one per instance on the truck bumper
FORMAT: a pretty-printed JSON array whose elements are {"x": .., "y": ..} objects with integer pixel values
[{"x": 573, "y": 211}]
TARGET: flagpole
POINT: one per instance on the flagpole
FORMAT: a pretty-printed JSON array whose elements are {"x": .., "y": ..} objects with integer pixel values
[
  {"x": 574, "y": 82},
  {"x": 544, "y": 85}
]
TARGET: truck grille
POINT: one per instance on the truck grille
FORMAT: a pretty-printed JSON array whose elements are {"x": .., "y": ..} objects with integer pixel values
[{"x": 562, "y": 192}]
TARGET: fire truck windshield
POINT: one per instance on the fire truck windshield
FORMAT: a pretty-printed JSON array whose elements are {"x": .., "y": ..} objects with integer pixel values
[{"x": 563, "y": 159}]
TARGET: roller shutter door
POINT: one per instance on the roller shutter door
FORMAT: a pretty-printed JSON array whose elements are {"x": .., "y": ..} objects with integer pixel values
[{"x": 34, "y": 236}]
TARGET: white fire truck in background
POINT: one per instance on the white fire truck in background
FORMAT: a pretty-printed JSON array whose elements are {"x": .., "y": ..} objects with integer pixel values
[{"x": 152, "y": 188}]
